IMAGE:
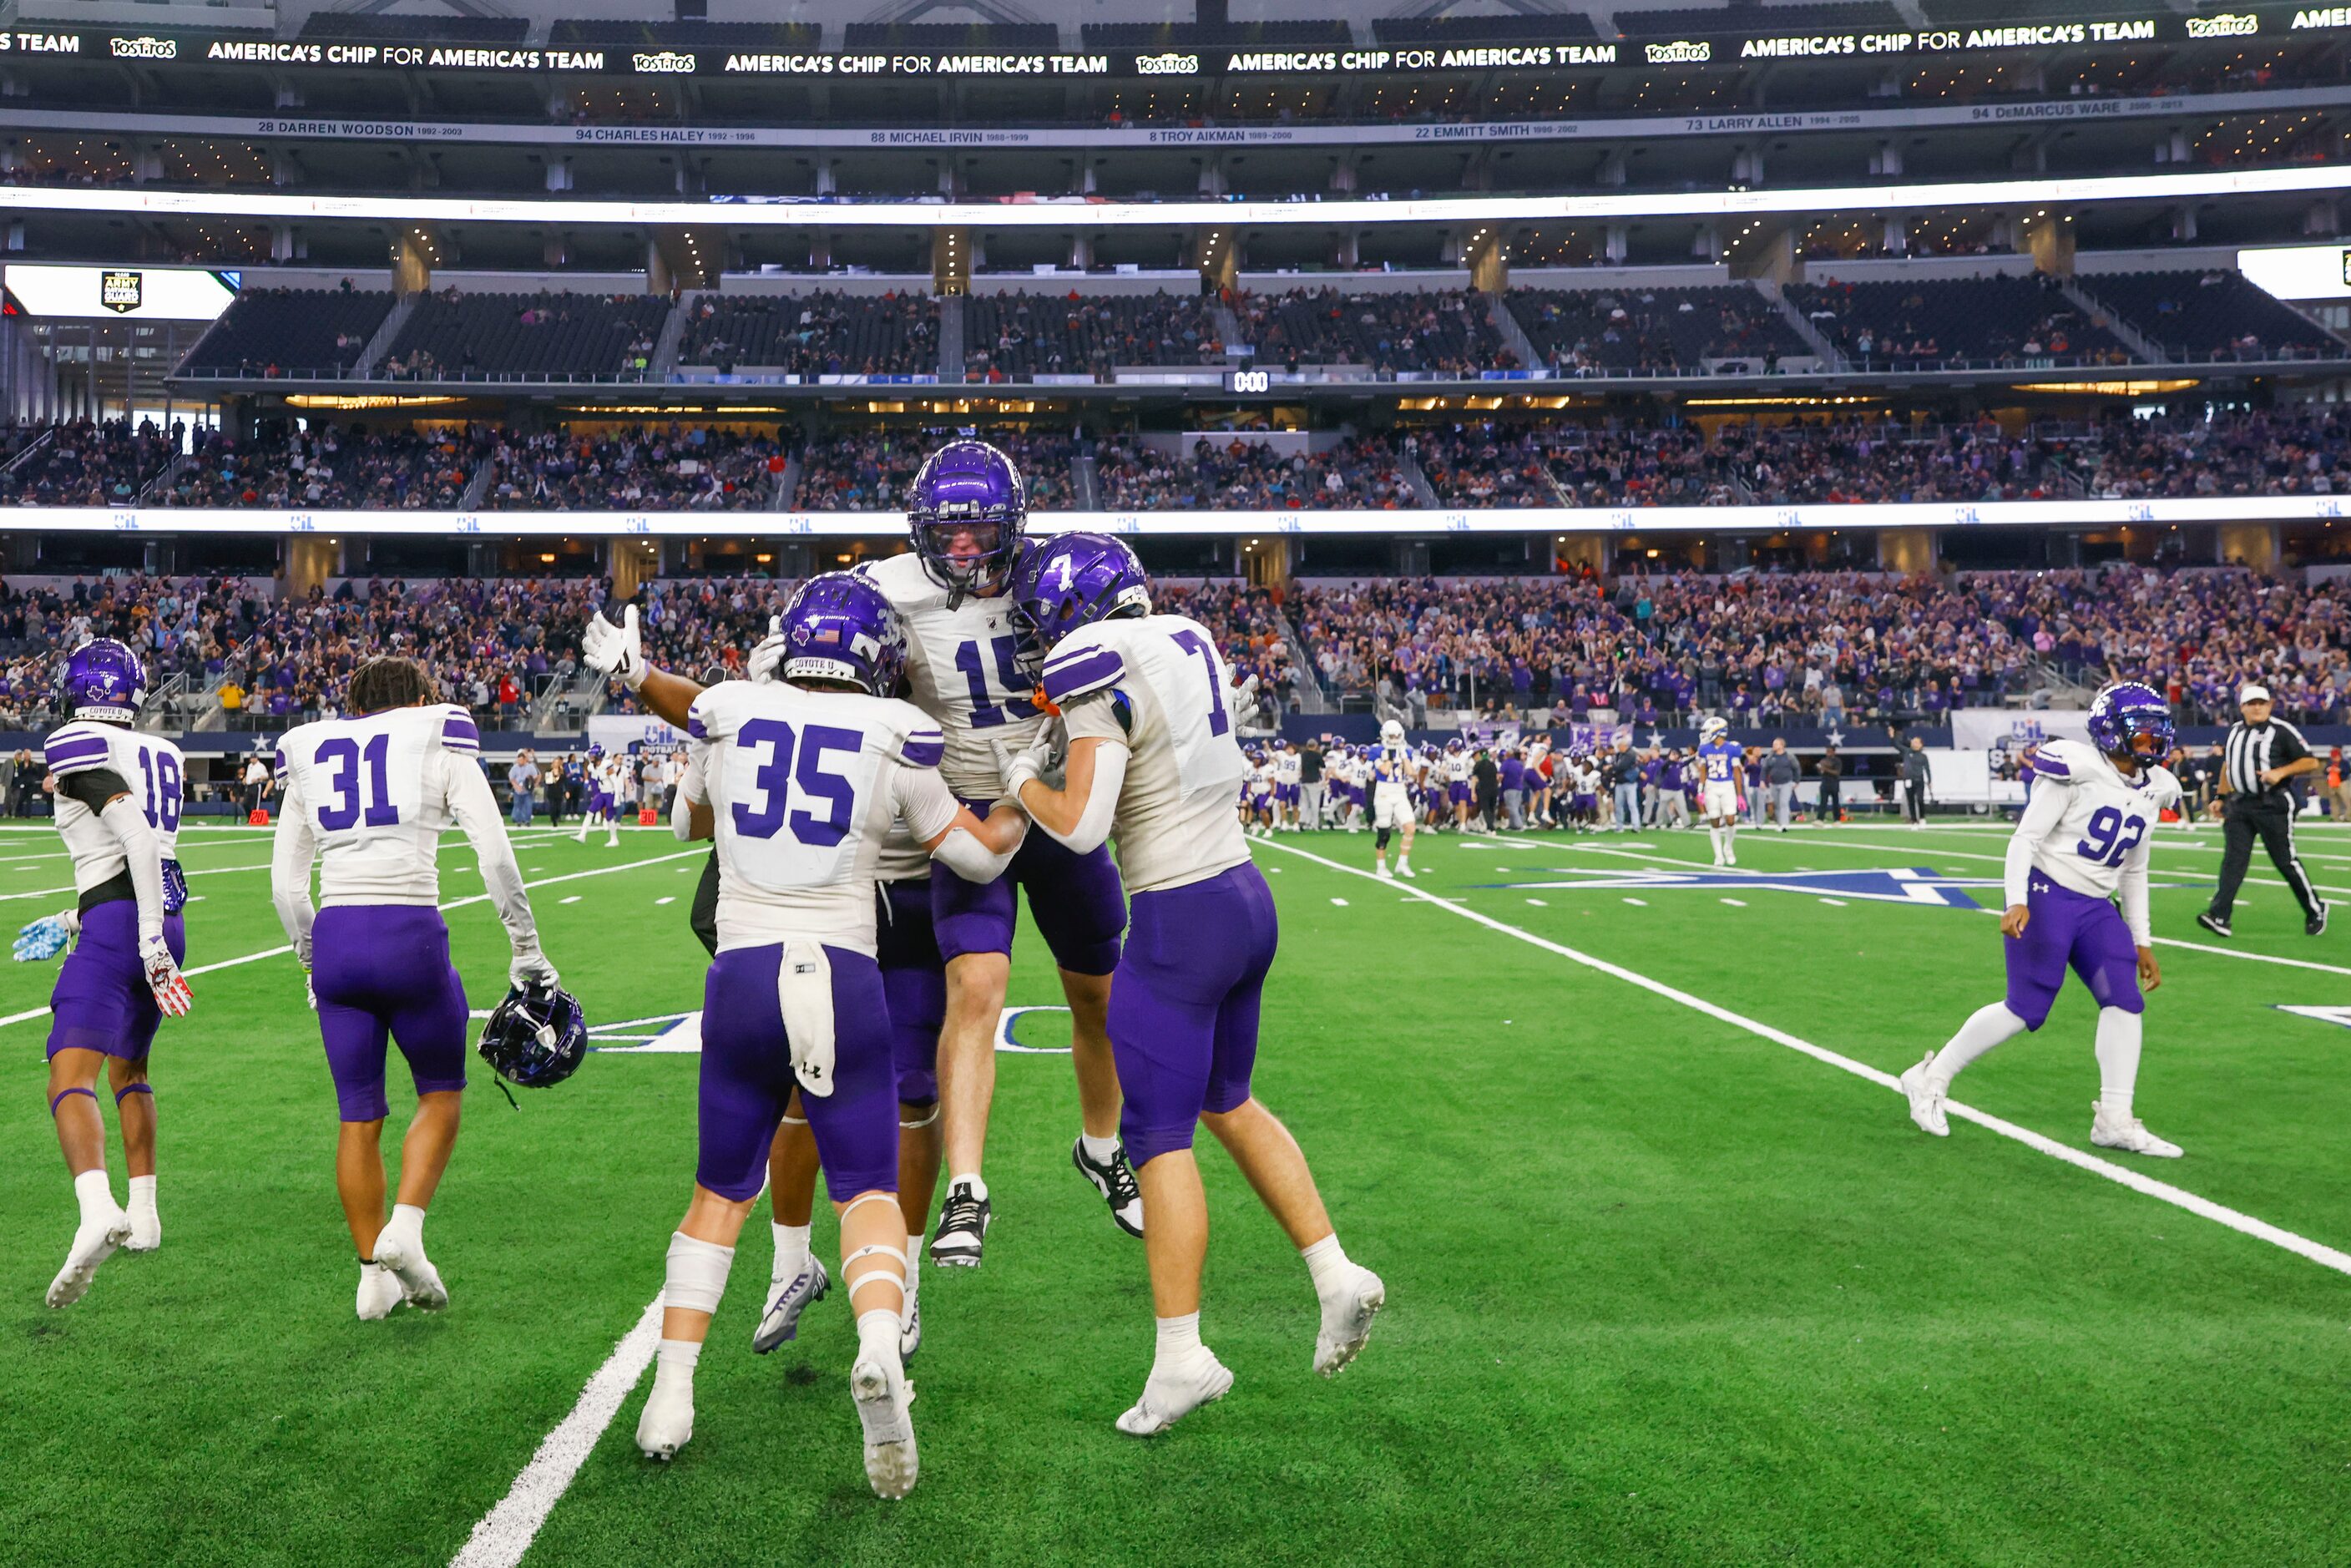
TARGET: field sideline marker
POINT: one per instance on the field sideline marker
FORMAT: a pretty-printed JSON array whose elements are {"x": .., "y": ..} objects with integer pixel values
[{"x": 2179, "y": 1197}]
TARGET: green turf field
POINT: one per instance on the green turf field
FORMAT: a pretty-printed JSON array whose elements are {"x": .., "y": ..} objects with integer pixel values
[{"x": 1661, "y": 1289}]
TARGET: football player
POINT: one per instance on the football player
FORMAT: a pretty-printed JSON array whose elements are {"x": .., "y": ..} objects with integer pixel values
[
  {"x": 1287, "y": 771},
  {"x": 1719, "y": 762},
  {"x": 368, "y": 799},
  {"x": 805, "y": 778},
  {"x": 1151, "y": 753},
  {"x": 118, "y": 796},
  {"x": 2085, "y": 840},
  {"x": 1391, "y": 773}
]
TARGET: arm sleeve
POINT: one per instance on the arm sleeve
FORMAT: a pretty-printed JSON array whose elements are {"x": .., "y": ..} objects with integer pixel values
[
  {"x": 2032, "y": 829},
  {"x": 142, "y": 858},
  {"x": 1101, "y": 801},
  {"x": 2133, "y": 889},
  {"x": 290, "y": 854},
  {"x": 475, "y": 810},
  {"x": 923, "y": 801}
]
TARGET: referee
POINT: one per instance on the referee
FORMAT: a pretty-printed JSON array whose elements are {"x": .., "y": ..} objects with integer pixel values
[{"x": 2260, "y": 761}]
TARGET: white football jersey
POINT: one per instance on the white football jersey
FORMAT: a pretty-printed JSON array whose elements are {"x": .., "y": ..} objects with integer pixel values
[
  {"x": 1456, "y": 767},
  {"x": 371, "y": 797},
  {"x": 1157, "y": 686},
  {"x": 1285, "y": 767},
  {"x": 2090, "y": 827},
  {"x": 149, "y": 764},
  {"x": 964, "y": 671},
  {"x": 804, "y": 788}
]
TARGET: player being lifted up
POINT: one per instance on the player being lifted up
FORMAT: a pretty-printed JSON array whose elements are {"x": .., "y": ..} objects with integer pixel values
[
  {"x": 2084, "y": 841},
  {"x": 118, "y": 813},
  {"x": 1151, "y": 752},
  {"x": 1718, "y": 760},
  {"x": 368, "y": 799},
  {"x": 805, "y": 778},
  {"x": 1392, "y": 772}
]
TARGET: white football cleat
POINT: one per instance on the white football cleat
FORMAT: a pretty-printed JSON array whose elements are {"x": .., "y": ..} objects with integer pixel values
[
  {"x": 781, "y": 1321},
  {"x": 2131, "y": 1136},
  {"x": 667, "y": 1423},
  {"x": 94, "y": 1242},
  {"x": 380, "y": 1292},
  {"x": 146, "y": 1231},
  {"x": 1405, "y": 871},
  {"x": 1380, "y": 870},
  {"x": 1170, "y": 1394},
  {"x": 1347, "y": 1321},
  {"x": 1927, "y": 1099},
  {"x": 883, "y": 1397},
  {"x": 420, "y": 1281}
]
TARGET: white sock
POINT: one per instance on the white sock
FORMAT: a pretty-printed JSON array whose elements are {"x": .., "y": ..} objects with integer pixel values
[
  {"x": 978, "y": 1187},
  {"x": 1098, "y": 1149},
  {"x": 1178, "y": 1338},
  {"x": 1403, "y": 863},
  {"x": 2118, "y": 1042},
  {"x": 877, "y": 1333},
  {"x": 914, "y": 1261},
  {"x": 792, "y": 1250},
  {"x": 143, "y": 1195},
  {"x": 1714, "y": 837},
  {"x": 407, "y": 1225},
  {"x": 674, "y": 1361},
  {"x": 1985, "y": 1028},
  {"x": 1326, "y": 1265},
  {"x": 96, "y": 1196}
]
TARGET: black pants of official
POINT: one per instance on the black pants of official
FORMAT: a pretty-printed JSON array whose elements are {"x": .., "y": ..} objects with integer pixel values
[
  {"x": 1831, "y": 800},
  {"x": 703, "y": 916},
  {"x": 2271, "y": 821},
  {"x": 1913, "y": 801}
]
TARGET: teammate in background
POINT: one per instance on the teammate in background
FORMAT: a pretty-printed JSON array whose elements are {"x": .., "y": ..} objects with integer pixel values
[
  {"x": 1286, "y": 773},
  {"x": 805, "y": 778},
  {"x": 1258, "y": 798},
  {"x": 1719, "y": 763},
  {"x": 595, "y": 801},
  {"x": 1150, "y": 749},
  {"x": 1456, "y": 782},
  {"x": 368, "y": 798},
  {"x": 1392, "y": 772},
  {"x": 118, "y": 795},
  {"x": 624, "y": 794},
  {"x": 963, "y": 663},
  {"x": 2084, "y": 840},
  {"x": 1583, "y": 801}
]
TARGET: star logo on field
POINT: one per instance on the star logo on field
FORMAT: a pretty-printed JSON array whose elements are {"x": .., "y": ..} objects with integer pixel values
[{"x": 2324, "y": 1015}]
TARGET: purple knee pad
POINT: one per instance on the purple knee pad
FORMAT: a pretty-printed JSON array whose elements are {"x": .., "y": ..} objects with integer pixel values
[{"x": 60, "y": 1097}]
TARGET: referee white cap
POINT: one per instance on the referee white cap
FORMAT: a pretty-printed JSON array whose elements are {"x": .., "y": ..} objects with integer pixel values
[{"x": 2253, "y": 693}]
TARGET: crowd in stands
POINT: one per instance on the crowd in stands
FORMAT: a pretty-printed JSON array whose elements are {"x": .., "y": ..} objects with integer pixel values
[
  {"x": 655, "y": 467},
  {"x": 471, "y": 337},
  {"x": 2298, "y": 449},
  {"x": 321, "y": 467},
  {"x": 868, "y": 471},
  {"x": 1424, "y": 331},
  {"x": 1015, "y": 336},
  {"x": 88, "y": 463},
  {"x": 820, "y": 333},
  {"x": 1972, "y": 320},
  {"x": 1662, "y": 332},
  {"x": 1233, "y": 474}
]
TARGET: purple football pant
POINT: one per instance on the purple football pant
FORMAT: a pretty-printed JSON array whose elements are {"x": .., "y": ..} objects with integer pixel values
[
  {"x": 1183, "y": 1005},
  {"x": 1078, "y": 904},
  {"x": 102, "y": 1000},
  {"x": 2070, "y": 928},
  {"x": 914, "y": 981},
  {"x": 747, "y": 1078},
  {"x": 379, "y": 970}
]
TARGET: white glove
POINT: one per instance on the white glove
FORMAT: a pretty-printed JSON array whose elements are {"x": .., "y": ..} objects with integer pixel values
[
  {"x": 309, "y": 990},
  {"x": 615, "y": 650},
  {"x": 769, "y": 656},
  {"x": 1040, "y": 760},
  {"x": 531, "y": 971},
  {"x": 163, "y": 976}
]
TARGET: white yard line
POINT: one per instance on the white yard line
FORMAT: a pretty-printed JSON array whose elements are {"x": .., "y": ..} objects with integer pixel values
[
  {"x": 453, "y": 903},
  {"x": 2178, "y": 1197},
  {"x": 505, "y": 1533}
]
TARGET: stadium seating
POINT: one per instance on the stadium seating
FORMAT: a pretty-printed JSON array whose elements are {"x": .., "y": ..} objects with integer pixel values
[
  {"x": 86, "y": 465},
  {"x": 1295, "y": 35},
  {"x": 1443, "y": 331},
  {"x": 818, "y": 333},
  {"x": 1972, "y": 320},
  {"x": 1570, "y": 26},
  {"x": 324, "y": 468},
  {"x": 2212, "y": 315},
  {"x": 748, "y": 37},
  {"x": 1588, "y": 331},
  {"x": 870, "y": 470},
  {"x": 1236, "y": 475},
  {"x": 942, "y": 37},
  {"x": 526, "y": 337},
  {"x": 1485, "y": 466},
  {"x": 1017, "y": 335},
  {"x": 331, "y": 27},
  {"x": 661, "y": 468},
  {"x": 289, "y": 331}
]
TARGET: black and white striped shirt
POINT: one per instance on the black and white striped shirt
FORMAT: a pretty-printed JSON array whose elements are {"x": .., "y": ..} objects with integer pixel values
[{"x": 2254, "y": 749}]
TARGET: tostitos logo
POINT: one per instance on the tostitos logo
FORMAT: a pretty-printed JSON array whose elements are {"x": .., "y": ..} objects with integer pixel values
[
  {"x": 668, "y": 62},
  {"x": 2228, "y": 24},
  {"x": 1168, "y": 64},
  {"x": 1681, "y": 52},
  {"x": 144, "y": 48}
]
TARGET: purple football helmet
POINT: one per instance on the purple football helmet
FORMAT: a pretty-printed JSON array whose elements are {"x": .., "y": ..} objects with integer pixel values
[
  {"x": 966, "y": 511},
  {"x": 2131, "y": 719},
  {"x": 105, "y": 680},
  {"x": 839, "y": 627},
  {"x": 1074, "y": 581}
]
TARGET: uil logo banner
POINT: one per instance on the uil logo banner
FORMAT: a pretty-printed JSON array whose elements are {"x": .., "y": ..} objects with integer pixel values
[{"x": 121, "y": 292}]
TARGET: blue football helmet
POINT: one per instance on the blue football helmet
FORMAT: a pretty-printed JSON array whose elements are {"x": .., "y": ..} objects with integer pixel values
[
  {"x": 105, "y": 680},
  {"x": 1074, "y": 581},
  {"x": 2131, "y": 719},
  {"x": 968, "y": 490},
  {"x": 839, "y": 627},
  {"x": 536, "y": 1038}
]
